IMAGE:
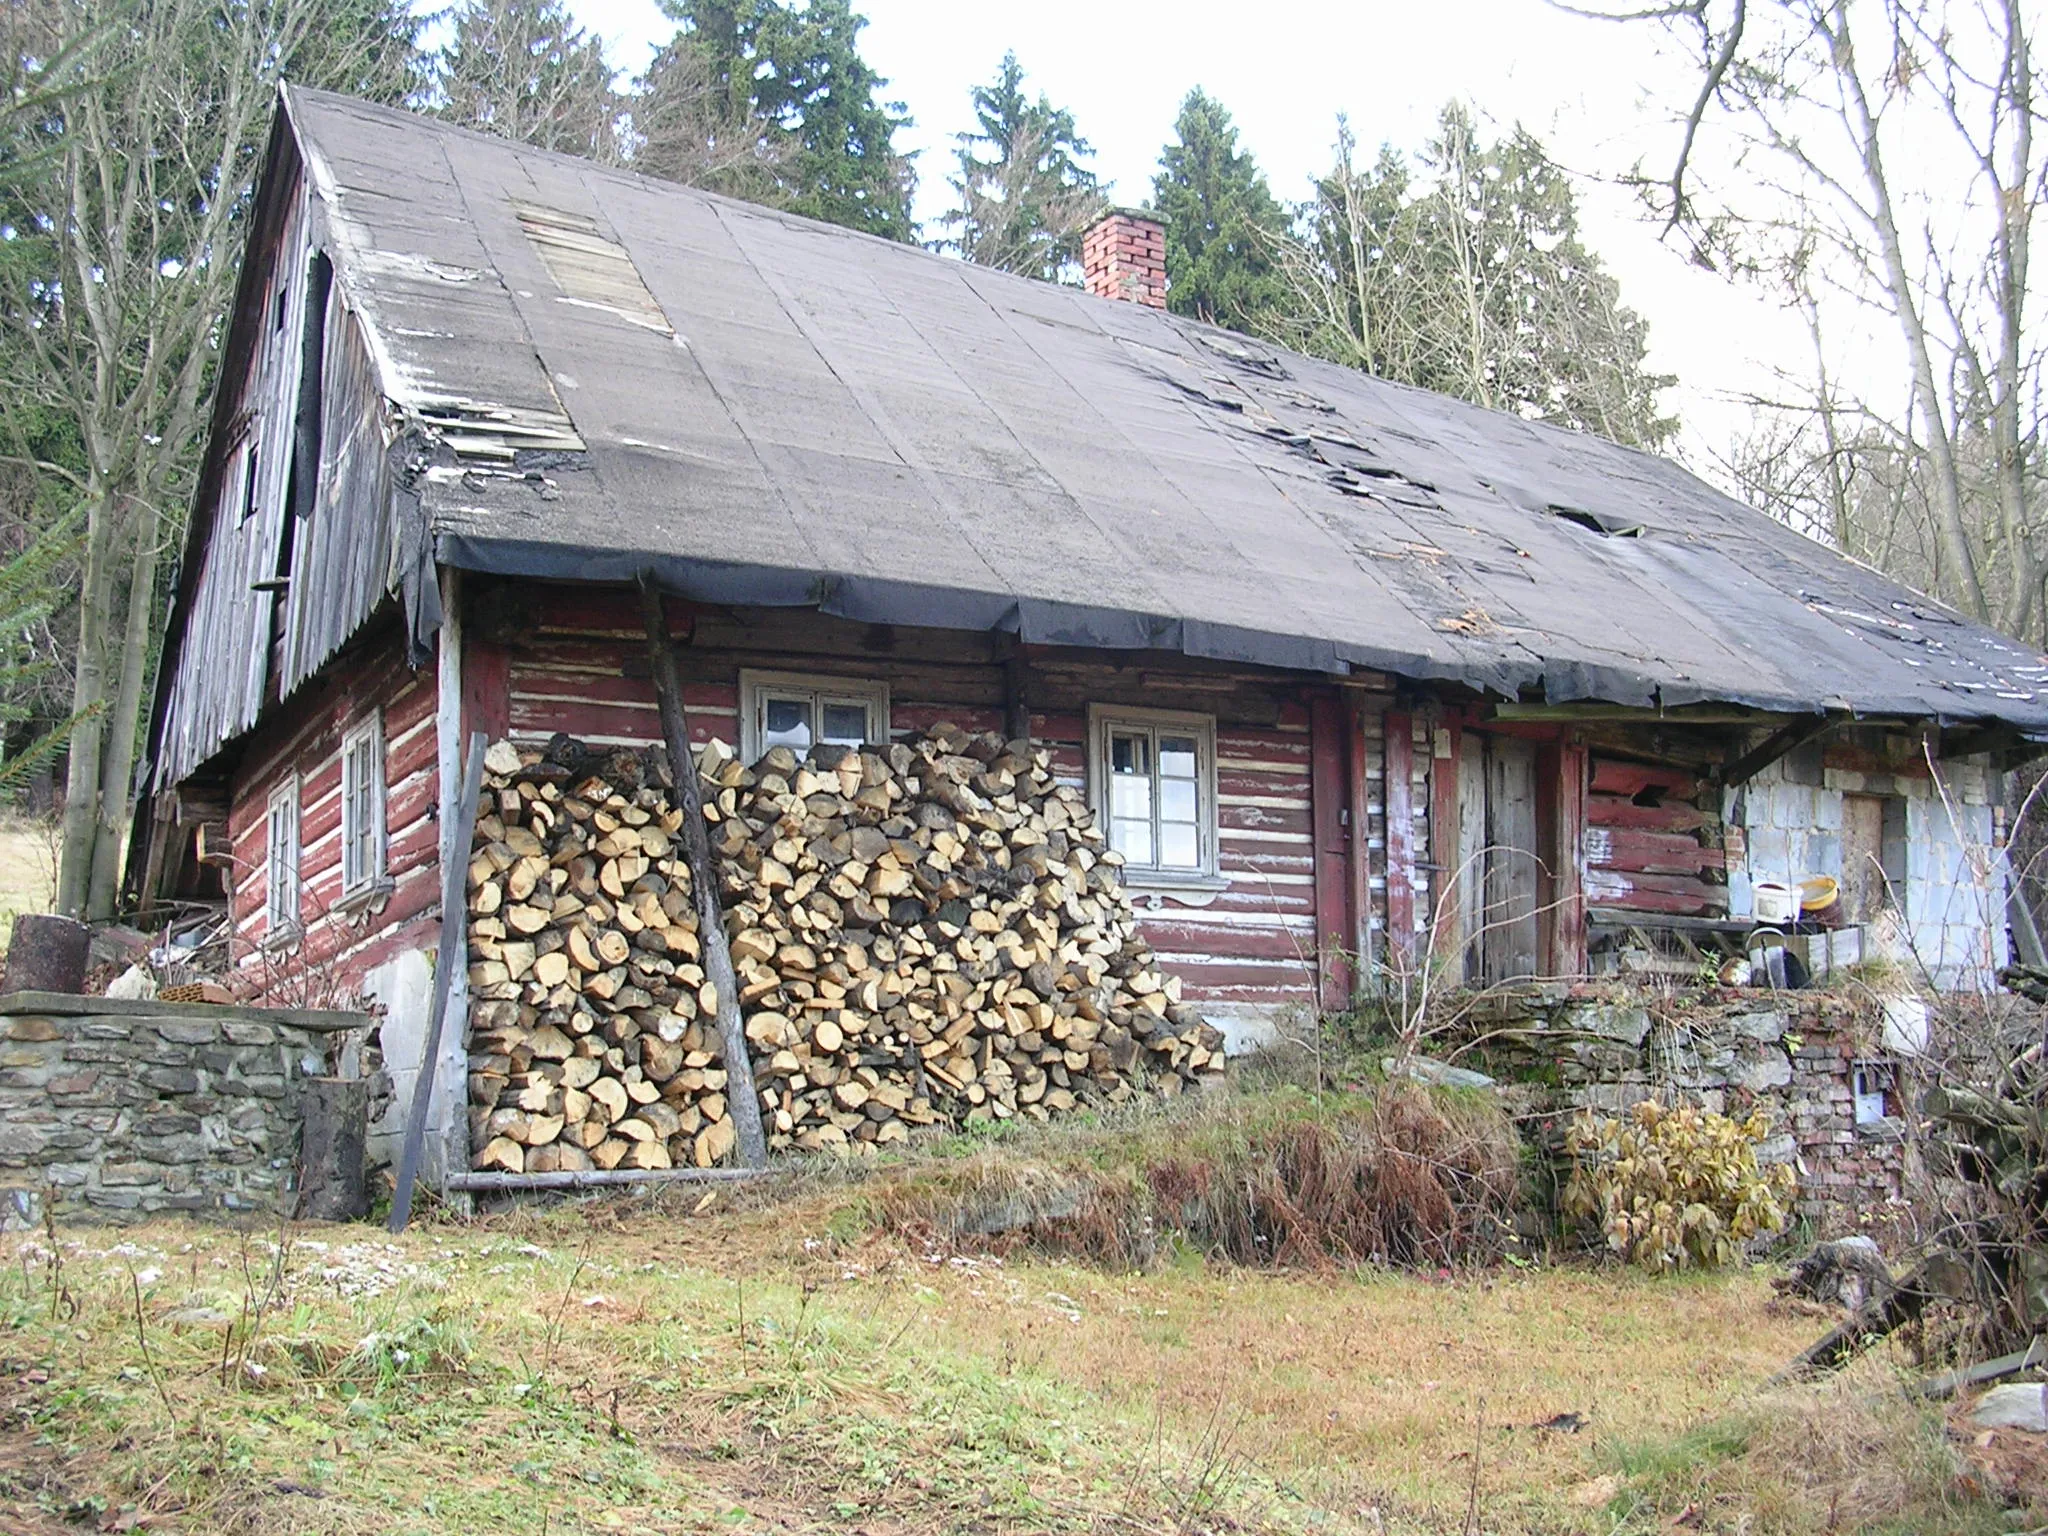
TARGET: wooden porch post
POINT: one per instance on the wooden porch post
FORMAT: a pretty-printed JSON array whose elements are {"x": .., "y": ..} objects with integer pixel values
[
  {"x": 1358, "y": 865},
  {"x": 1561, "y": 824},
  {"x": 1328, "y": 793},
  {"x": 1397, "y": 745},
  {"x": 1446, "y": 906}
]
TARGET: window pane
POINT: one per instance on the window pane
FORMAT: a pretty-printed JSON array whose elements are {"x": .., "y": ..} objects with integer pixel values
[
  {"x": 1130, "y": 754},
  {"x": 1176, "y": 798},
  {"x": 1132, "y": 839},
  {"x": 1177, "y": 757},
  {"x": 1180, "y": 847},
  {"x": 1130, "y": 797},
  {"x": 786, "y": 723},
  {"x": 844, "y": 724}
]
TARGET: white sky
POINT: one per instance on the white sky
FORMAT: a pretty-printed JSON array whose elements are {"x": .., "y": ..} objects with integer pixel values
[{"x": 1597, "y": 93}]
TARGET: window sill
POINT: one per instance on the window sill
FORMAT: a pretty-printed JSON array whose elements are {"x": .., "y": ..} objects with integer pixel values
[
  {"x": 1152, "y": 887},
  {"x": 366, "y": 898},
  {"x": 283, "y": 937}
]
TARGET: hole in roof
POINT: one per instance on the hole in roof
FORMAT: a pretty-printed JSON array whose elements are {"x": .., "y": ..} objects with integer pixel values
[{"x": 1606, "y": 527}]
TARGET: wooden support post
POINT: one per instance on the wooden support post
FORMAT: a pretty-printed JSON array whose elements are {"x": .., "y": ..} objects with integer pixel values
[
  {"x": 450, "y": 959},
  {"x": 1016, "y": 700},
  {"x": 1446, "y": 903},
  {"x": 1327, "y": 796},
  {"x": 1561, "y": 812},
  {"x": 1358, "y": 818},
  {"x": 743, "y": 1098},
  {"x": 600, "y": 1178},
  {"x": 1397, "y": 749}
]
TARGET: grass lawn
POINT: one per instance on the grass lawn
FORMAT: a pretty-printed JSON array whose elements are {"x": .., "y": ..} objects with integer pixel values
[{"x": 650, "y": 1366}]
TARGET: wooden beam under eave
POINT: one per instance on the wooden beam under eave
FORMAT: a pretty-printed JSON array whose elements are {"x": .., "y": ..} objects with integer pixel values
[{"x": 1773, "y": 747}]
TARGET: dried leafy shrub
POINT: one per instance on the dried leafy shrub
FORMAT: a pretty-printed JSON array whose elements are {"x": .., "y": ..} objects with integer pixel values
[{"x": 1675, "y": 1186}]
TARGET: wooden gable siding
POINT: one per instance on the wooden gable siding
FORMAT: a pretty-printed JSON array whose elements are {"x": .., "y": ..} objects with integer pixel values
[
  {"x": 221, "y": 674},
  {"x": 305, "y": 737},
  {"x": 575, "y": 662}
]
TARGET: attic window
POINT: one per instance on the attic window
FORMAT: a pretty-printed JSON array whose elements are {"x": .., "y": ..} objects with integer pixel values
[
  {"x": 1606, "y": 527},
  {"x": 592, "y": 269}
]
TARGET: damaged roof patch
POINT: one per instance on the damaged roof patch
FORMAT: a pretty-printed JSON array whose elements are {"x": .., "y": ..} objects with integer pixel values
[{"x": 590, "y": 267}]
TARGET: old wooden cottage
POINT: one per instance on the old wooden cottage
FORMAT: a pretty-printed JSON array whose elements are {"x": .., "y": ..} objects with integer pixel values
[{"x": 1356, "y": 673}]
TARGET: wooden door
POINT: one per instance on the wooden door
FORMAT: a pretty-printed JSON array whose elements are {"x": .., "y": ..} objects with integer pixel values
[
  {"x": 1500, "y": 873},
  {"x": 1512, "y": 941},
  {"x": 1863, "y": 883}
]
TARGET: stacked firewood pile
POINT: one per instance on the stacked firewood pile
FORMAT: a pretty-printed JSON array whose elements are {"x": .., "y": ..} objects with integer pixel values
[{"x": 928, "y": 932}]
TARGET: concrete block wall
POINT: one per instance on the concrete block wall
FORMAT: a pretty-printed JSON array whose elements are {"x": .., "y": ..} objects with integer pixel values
[
  {"x": 1953, "y": 928},
  {"x": 114, "y": 1110}
]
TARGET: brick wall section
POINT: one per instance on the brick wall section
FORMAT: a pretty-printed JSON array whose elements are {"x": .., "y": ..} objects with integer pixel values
[
  {"x": 117, "y": 1110},
  {"x": 1790, "y": 1054}
]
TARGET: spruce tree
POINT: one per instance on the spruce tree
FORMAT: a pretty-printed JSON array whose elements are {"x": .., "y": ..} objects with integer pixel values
[
  {"x": 790, "y": 83},
  {"x": 1464, "y": 273},
  {"x": 523, "y": 69},
  {"x": 1222, "y": 223},
  {"x": 1026, "y": 198}
]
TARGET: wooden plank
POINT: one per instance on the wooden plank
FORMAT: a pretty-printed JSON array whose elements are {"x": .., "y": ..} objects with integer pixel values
[
  {"x": 1328, "y": 795},
  {"x": 744, "y": 1101},
  {"x": 487, "y": 688},
  {"x": 1653, "y": 893},
  {"x": 1612, "y": 776},
  {"x": 1663, "y": 853},
  {"x": 1620, "y": 811},
  {"x": 1397, "y": 749}
]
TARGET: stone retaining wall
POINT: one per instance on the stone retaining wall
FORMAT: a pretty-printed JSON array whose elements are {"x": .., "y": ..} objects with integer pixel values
[
  {"x": 1790, "y": 1054},
  {"x": 115, "y": 1109}
]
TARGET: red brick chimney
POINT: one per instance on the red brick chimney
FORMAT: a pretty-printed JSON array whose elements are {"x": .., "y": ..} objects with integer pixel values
[{"x": 1123, "y": 256}]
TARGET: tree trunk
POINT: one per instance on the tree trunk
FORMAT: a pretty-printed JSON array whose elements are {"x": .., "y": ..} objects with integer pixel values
[
  {"x": 118, "y": 749},
  {"x": 1950, "y": 526},
  {"x": 88, "y": 698}
]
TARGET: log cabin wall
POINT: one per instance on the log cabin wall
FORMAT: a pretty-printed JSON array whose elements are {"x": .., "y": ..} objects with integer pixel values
[
  {"x": 574, "y": 660},
  {"x": 341, "y": 941}
]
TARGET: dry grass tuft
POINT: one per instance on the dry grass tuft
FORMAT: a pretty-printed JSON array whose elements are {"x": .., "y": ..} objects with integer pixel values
[
  {"x": 1406, "y": 1175},
  {"x": 1848, "y": 1453}
]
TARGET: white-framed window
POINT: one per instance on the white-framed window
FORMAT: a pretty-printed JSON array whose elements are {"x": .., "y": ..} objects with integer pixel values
[
  {"x": 281, "y": 860},
  {"x": 788, "y": 709},
  {"x": 1153, "y": 777},
  {"x": 362, "y": 805}
]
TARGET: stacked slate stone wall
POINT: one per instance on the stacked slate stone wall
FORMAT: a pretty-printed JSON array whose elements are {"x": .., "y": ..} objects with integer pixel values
[
  {"x": 112, "y": 1109},
  {"x": 1791, "y": 1054}
]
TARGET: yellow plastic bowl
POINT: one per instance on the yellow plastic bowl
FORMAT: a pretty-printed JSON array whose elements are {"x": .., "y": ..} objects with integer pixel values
[{"x": 1818, "y": 894}]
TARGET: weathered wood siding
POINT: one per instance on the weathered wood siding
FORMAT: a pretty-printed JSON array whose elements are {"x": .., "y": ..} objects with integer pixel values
[
  {"x": 304, "y": 736},
  {"x": 283, "y": 567},
  {"x": 575, "y": 661},
  {"x": 221, "y": 670}
]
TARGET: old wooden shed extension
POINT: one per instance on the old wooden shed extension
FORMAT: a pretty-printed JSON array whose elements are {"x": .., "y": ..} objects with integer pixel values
[{"x": 1352, "y": 670}]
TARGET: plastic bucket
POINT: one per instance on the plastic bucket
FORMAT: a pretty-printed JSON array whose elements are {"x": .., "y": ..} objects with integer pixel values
[
  {"x": 1773, "y": 901},
  {"x": 1819, "y": 893}
]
